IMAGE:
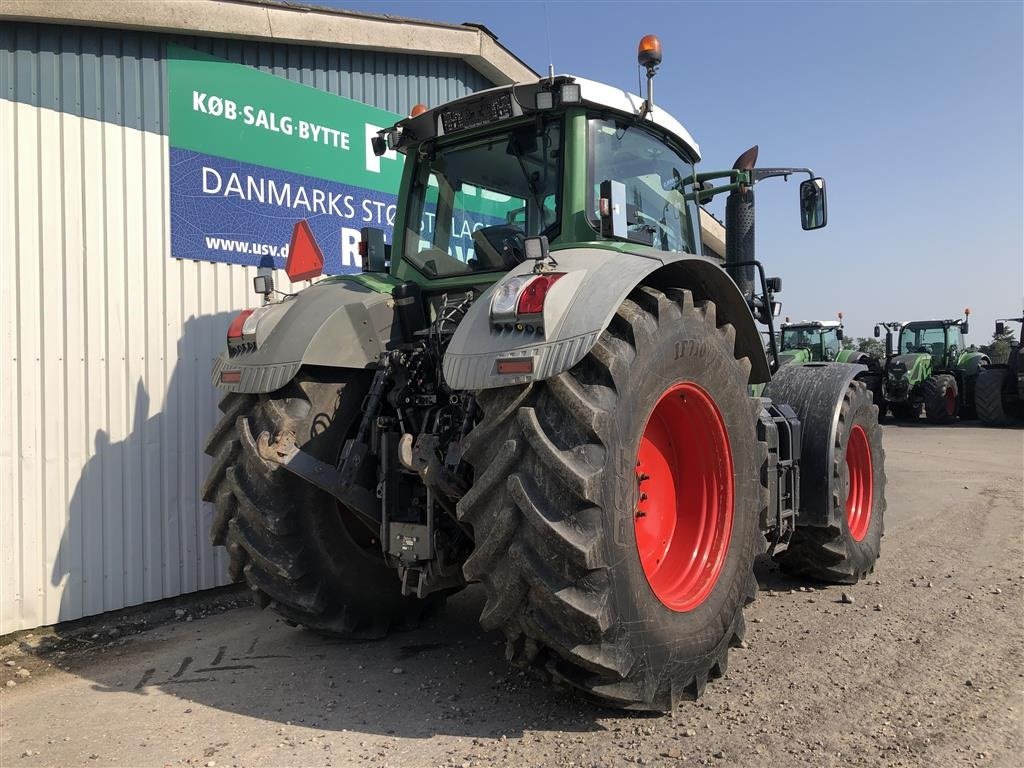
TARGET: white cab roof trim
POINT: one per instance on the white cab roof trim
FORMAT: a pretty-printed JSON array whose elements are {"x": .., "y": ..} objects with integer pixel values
[
  {"x": 624, "y": 101},
  {"x": 813, "y": 324}
]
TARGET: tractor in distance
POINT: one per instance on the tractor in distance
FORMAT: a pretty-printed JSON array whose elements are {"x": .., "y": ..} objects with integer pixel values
[
  {"x": 541, "y": 385},
  {"x": 999, "y": 394},
  {"x": 815, "y": 341},
  {"x": 930, "y": 367}
]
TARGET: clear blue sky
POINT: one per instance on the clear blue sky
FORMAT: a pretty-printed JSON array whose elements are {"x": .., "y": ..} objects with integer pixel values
[{"x": 913, "y": 112}]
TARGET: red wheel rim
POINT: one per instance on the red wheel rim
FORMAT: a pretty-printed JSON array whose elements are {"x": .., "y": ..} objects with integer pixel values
[
  {"x": 684, "y": 514},
  {"x": 861, "y": 484},
  {"x": 950, "y": 401}
]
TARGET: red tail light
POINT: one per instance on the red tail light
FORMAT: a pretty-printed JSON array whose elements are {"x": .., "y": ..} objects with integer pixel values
[
  {"x": 531, "y": 300},
  {"x": 235, "y": 329},
  {"x": 305, "y": 259}
]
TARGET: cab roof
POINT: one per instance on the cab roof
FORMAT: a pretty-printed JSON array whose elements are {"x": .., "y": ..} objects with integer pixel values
[
  {"x": 601, "y": 95},
  {"x": 505, "y": 102},
  {"x": 812, "y": 324}
]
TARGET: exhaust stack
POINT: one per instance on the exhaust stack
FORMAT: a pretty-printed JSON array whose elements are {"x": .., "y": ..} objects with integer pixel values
[{"x": 739, "y": 228}]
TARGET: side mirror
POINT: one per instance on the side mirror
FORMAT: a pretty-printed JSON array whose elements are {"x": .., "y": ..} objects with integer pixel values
[
  {"x": 1000, "y": 328},
  {"x": 774, "y": 284},
  {"x": 813, "y": 210},
  {"x": 613, "y": 209},
  {"x": 965, "y": 327},
  {"x": 839, "y": 333},
  {"x": 878, "y": 332}
]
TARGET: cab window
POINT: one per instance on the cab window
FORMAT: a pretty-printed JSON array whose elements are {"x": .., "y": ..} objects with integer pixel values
[{"x": 657, "y": 212}]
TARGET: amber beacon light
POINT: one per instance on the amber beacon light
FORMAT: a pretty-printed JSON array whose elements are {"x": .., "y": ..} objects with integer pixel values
[{"x": 648, "y": 53}]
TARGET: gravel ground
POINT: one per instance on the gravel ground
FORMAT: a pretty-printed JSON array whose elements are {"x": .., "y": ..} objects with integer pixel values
[{"x": 920, "y": 666}]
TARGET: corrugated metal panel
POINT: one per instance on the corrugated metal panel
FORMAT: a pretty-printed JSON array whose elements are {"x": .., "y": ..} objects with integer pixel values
[
  {"x": 107, "y": 342},
  {"x": 119, "y": 76}
]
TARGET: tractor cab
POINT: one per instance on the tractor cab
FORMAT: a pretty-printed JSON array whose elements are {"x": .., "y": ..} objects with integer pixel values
[
  {"x": 811, "y": 341},
  {"x": 564, "y": 159},
  {"x": 942, "y": 340}
]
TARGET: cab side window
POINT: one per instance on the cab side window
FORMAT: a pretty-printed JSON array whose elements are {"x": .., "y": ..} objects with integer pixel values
[{"x": 657, "y": 211}]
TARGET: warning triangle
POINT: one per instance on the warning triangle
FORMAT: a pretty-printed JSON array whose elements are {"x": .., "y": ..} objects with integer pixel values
[{"x": 305, "y": 259}]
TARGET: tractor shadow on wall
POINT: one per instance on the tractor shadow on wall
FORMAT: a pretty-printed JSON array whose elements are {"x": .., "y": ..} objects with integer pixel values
[{"x": 135, "y": 529}]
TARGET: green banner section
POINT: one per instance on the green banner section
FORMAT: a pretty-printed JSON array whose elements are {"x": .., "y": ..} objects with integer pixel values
[{"x": 237, "y": 112}]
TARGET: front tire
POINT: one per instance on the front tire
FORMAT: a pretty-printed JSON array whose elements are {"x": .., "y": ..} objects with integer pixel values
[
  {"x": 299, "y": 551},
  {"x": 846, "y": 551},
  {"x": 560, "y": 469},
  {"x": 941, "y": 398}
]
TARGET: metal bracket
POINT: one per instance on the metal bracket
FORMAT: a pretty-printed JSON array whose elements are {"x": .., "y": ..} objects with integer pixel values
[{"x": 339, "y": 483}]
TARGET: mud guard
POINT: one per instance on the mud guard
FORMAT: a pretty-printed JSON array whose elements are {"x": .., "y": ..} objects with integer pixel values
[
  {"x": 815, "y": 391},
  {"x": 336, "y": 323},
  {"x": 579, "y": 306}
]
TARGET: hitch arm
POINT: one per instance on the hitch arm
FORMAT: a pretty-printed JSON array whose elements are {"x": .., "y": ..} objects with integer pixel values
[{"x": 337, "y": 482}]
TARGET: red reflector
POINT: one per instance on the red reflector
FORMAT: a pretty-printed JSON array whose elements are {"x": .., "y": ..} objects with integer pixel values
[
  {"x": 230, "y": 377},
  {"x": 235, "y": 329},
  {"x": 516, "y": 365},
  {"x": 305, "y": 259},
  {"x": 531, "y": 300},
  {"x": 363, "y": 245}
]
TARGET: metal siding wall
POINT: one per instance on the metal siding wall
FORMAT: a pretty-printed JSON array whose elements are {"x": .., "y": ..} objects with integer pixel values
[
  {"x": 110, "y": 75},
  {"x": 107, "y": 342}
]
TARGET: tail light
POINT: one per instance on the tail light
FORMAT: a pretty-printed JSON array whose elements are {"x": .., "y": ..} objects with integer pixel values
[
  {"x": 522, "y": 296},
  {"x": 531, "y": 300},
  {"x": 235, "y": 330}
]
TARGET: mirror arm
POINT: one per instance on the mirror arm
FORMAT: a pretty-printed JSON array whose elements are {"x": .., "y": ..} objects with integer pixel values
[{"x": 767, "y": 173}]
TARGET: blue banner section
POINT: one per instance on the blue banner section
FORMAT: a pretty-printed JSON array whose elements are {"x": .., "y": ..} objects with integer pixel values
[{"x": 241, "y": 213}]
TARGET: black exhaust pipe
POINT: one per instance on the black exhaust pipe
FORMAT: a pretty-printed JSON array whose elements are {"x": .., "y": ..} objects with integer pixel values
[{"x": 739, "y": 228}]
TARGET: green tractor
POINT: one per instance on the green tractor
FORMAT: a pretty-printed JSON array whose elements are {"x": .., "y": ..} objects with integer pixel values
[
  {"x": 816, "y": 341},
  {"x": 931, "y": 368},
  {"x": 999, "y": 394},
  {"x": 541, "y": 385}
]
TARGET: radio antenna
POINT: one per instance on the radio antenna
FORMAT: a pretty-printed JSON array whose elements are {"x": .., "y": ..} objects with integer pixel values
[{"x": 547, "y": 32}]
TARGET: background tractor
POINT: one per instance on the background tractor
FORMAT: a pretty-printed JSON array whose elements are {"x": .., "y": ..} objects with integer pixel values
[
  {"x": 539, "y": 385},
  {"x": 816, "y": 341},
  {"x": 930, "y": 368},
  {"x": 999, "y": 394}
]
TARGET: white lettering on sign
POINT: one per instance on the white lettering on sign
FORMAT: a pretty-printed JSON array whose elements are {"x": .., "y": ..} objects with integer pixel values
[
  {"x": 310, "y": 200},
  {"x": 350, "y": 247}
]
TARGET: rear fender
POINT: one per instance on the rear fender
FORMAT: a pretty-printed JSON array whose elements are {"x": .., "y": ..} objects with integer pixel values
[
  {"x": 341, "y": 324},
  {"x": 815, "y": 391},
  {"x": 580, "y": 306}
]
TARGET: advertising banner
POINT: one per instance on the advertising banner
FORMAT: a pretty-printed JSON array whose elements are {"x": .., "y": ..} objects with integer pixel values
[{"x": 251, "y": 154}]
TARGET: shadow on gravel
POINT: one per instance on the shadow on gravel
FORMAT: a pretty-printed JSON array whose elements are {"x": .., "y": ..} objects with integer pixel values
[{"x": 447, "y": 677}]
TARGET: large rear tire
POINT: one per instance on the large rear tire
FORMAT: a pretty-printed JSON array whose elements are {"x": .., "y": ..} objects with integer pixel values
[
  {"x": 988, "y": 397},
  {"x": 941, "y": 398},
  {"x": 846, "y": 551},
  {"x": 571, "y": 550},
  {"x": 299, "y": 550}
]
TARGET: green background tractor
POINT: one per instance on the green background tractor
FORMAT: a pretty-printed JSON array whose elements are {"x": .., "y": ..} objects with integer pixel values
[
  {"x": 930, "y": 368},
  {"x": 541, "y": 385},
  {"x": 999, "y": 395},
  {"x": 815, "y": 341}
]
